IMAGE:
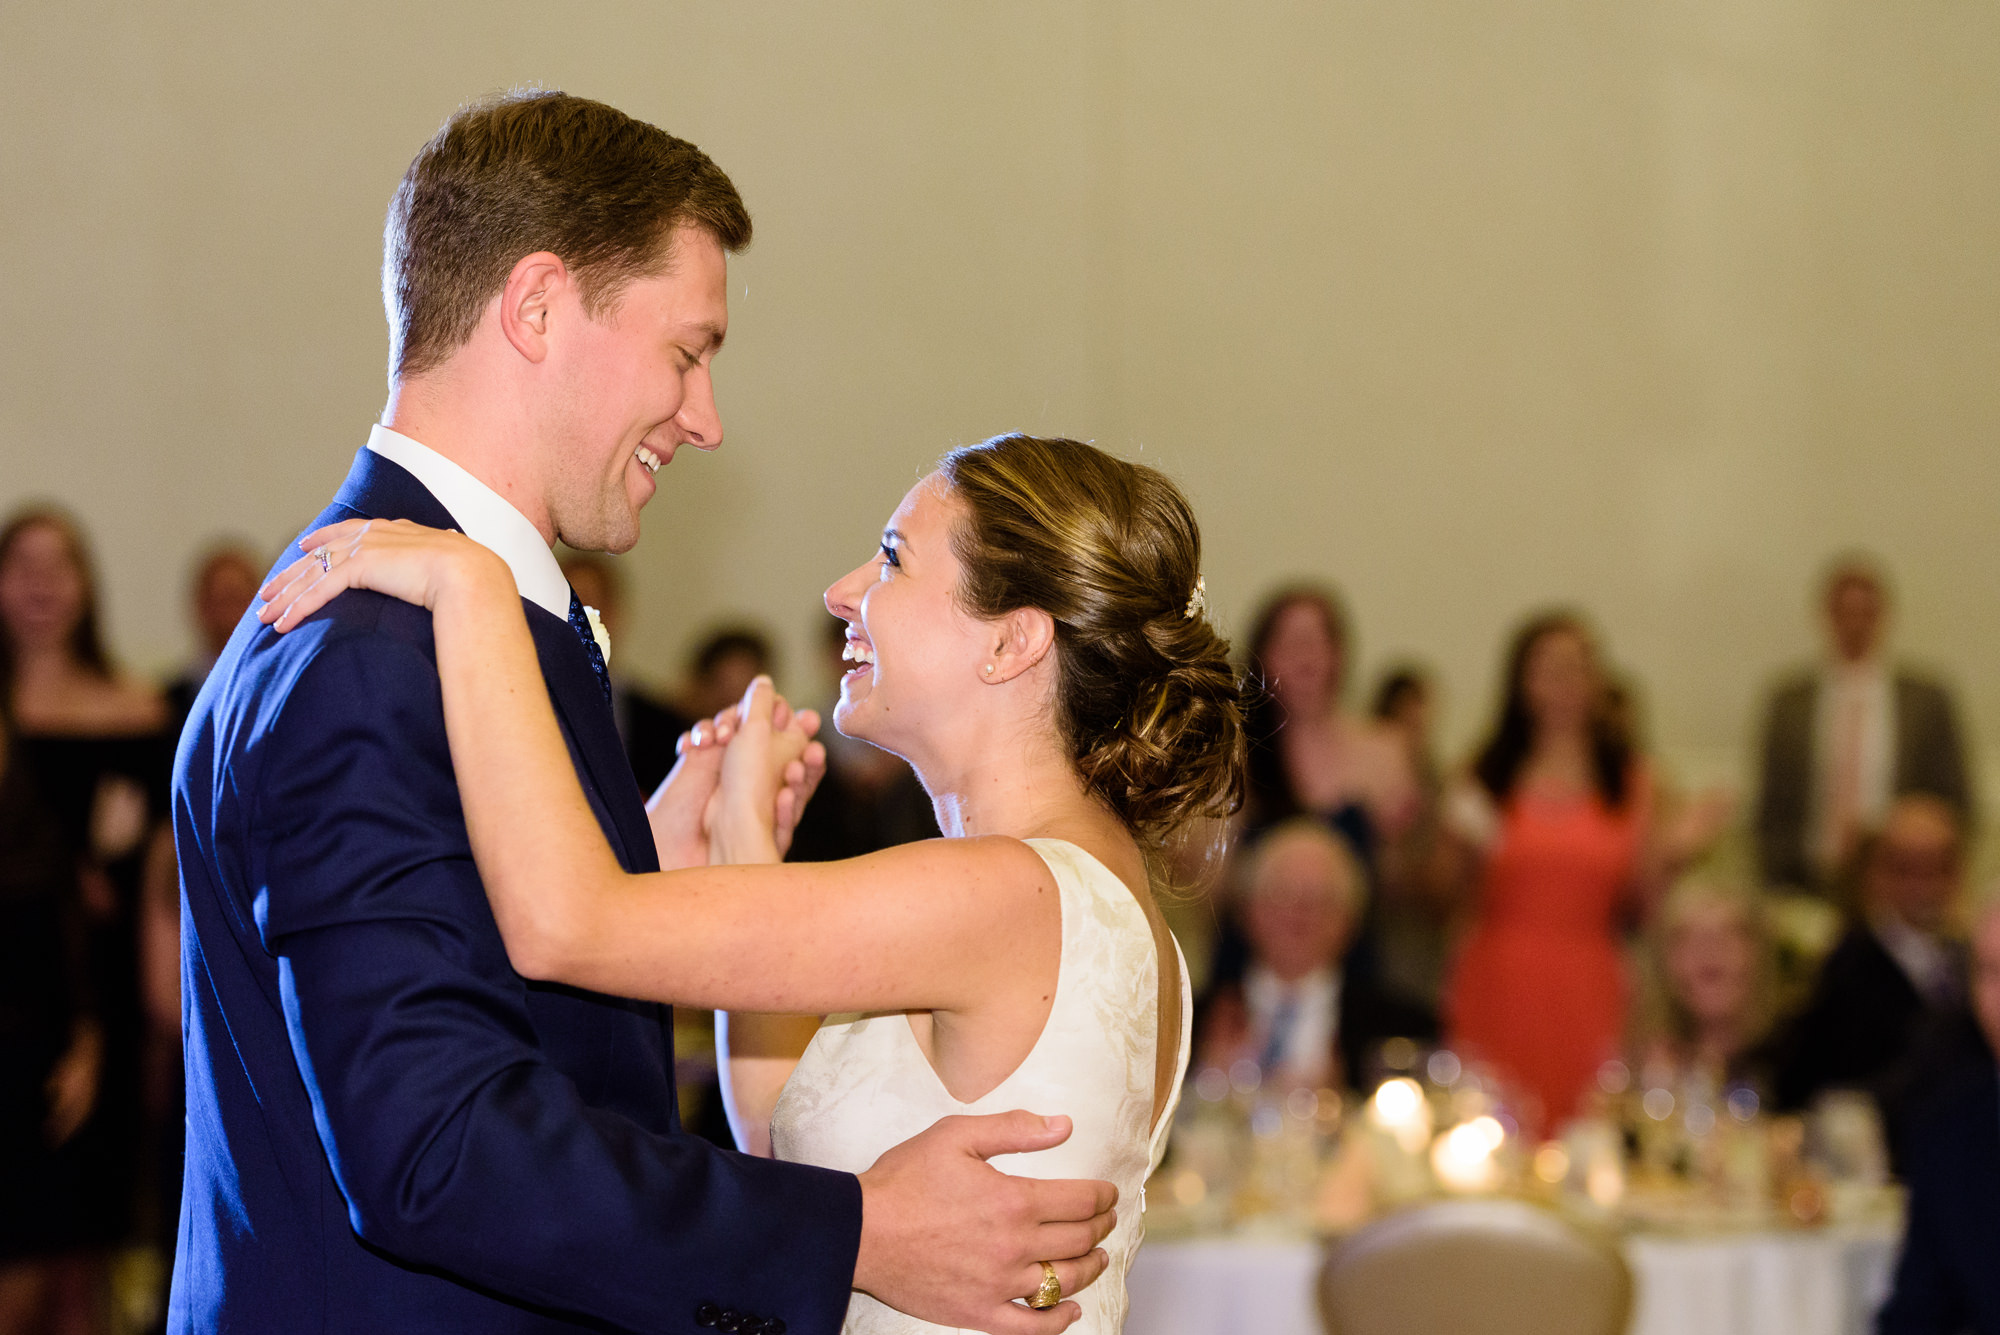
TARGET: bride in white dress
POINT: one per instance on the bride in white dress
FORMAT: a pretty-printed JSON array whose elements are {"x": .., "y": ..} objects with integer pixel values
[{"x": 1031, "y": 637}]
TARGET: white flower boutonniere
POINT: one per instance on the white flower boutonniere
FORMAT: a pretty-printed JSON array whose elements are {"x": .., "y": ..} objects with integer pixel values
[{"x": 598, "y": 633}]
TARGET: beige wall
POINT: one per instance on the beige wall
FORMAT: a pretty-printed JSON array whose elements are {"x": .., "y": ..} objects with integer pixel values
[{"x": 1641, "y": 307}]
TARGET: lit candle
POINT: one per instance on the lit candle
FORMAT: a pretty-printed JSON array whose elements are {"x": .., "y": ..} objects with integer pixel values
[
  {"x": 1464, "y": 1157},
  {"x": 1400, "y": 1108}
]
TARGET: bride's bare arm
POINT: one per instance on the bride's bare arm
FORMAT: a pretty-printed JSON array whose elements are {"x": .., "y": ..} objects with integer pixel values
[{"x": 939, "y": 925}]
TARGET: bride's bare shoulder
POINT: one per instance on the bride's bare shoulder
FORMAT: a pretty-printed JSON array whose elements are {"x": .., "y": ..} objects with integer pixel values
[{"x": 983, "y": 864}]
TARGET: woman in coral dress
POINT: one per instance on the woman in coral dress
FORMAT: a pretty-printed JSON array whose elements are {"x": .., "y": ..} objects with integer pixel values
[{"x": 1560, "y": 813}]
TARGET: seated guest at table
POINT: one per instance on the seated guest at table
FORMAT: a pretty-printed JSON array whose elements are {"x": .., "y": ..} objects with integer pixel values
[
  {"x": 1948, "y": 1279},
  {"x": 1309, "y": 755},
  {"x": 1897, "y": 978},
  {"x": 1709, "y": 996},
  {"x": 648, "y": 728},
  {"x": 1568, "y": 839},
  {"x": 1295, "y": 1012},
  {"x": 225, "y": 581},
  {"x": 1844, "y": 738}
]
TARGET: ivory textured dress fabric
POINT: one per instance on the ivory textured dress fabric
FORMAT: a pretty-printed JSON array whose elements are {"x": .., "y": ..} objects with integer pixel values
[{"x": 864, "y": 1085}]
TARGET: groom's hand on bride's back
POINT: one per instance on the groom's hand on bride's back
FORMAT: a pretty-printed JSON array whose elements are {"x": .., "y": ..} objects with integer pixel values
[{"x": 950, "y": 1239}]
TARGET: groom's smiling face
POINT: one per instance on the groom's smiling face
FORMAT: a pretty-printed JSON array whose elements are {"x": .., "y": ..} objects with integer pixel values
[{"x": 632, "y": 386}]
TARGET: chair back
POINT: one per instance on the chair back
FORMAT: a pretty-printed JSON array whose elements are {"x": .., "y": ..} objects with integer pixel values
[{"x": 1475, "y": 1267}]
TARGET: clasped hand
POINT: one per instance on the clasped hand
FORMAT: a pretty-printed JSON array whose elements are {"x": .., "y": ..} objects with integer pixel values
[{"x": 741, "y": 783}]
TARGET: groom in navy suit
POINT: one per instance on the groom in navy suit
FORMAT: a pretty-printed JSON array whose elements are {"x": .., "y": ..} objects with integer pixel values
[{"x": 388, "y": 1129}]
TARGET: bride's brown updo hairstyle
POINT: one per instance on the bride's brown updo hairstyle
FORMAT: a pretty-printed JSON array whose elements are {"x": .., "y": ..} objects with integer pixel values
[{"x": 1145, "y": 695}]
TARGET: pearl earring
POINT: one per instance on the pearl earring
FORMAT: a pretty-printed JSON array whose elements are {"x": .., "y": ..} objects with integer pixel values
[{"x": 988, "y": 669}]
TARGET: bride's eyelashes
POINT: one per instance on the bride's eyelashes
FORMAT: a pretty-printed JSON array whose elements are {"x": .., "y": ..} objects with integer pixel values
[{"x": 889, "y": 557}]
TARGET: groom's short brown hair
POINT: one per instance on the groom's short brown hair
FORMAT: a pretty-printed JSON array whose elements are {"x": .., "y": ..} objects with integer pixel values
[{"x": 538, "y": 170}]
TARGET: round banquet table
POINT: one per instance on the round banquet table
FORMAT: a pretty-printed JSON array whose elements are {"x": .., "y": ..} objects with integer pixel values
[{"x": 1825, "y": 1282}]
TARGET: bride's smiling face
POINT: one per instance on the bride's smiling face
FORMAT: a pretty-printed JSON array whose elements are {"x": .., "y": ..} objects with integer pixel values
[{"x": 914, "y": 654}]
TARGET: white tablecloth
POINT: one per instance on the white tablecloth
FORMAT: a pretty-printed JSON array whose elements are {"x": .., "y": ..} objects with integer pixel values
[{"x": 1822, "y": 1283}]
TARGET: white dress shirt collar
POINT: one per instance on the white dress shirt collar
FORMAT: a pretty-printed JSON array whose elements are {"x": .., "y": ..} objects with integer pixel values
[
  {"x": 1307, "y": 1044},
  {"x": 1924, "y": 959},
  {"x": 1866, "y": 689},
  {"x": 487, "y": 518}
]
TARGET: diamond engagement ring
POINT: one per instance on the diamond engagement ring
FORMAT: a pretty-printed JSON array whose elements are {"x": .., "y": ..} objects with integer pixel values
[
  {"x": 325, "y": 559},
  {"x": 1050, "y": 1292}
]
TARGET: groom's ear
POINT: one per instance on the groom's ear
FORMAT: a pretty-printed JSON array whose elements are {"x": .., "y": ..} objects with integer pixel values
[
  {"x": 527, "y": 302},
  {"x": 1021, "y": 639}
]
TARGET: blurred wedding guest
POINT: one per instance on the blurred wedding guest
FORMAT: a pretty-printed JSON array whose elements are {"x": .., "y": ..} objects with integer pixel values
[
  {"x": 1405, "y": 701},
  {"x": 224, "y": 585},
  {"x": 1710, "y": 996},
  {"x": 1309, "y": 755},
  {"x": 1418, "y": 872},
  {"x": 721, "y": 668},
  {"x": 93, "y": 747},
  {"x": 1897, "y": 978},
  {"x": 1568, "y": 840},
  {"x": 1296, "y": 1013},
  {"x": 870, "y": 799},
  {"x": 1947, "y": 1281},
  {"x": 647, "y": 727},
  {"x": 51, "y": 1050},
  {"x": 1842, "y": 739}
]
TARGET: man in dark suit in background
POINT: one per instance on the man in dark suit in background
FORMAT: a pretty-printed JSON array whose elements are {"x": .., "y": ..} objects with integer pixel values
[
  {"x": 1844, "y": 739},
  {"x": 1896, "y": 980},
  {"x": 1296, "y": 1013},
  {"x": 388, "y": 1129},
  {"x": 1949, "y": 1277}
]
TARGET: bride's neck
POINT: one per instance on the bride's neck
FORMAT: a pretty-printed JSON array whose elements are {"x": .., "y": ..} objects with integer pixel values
[{"x": 1019, "y": 791}]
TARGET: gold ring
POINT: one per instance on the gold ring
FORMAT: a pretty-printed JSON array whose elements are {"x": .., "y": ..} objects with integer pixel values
[
  {"x": 325, "y": 559},
  {"x": 1050, "y": 1292}
]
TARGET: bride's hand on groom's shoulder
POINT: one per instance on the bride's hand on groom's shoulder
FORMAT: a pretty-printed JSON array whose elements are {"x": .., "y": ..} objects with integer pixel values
[{"x": 394, "y": 556}]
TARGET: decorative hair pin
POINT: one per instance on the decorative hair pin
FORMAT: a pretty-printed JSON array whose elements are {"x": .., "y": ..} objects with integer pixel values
[{"x": 1198, "y": 600}]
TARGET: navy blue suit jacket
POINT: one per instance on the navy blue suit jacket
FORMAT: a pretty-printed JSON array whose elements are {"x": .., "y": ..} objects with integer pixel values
[
  {"x": 1949, "y": 1277},
  {"x": 388, "y": 1129}
]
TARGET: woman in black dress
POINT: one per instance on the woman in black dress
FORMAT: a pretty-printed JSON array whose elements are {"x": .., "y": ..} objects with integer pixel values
[
  {"x": 51, "y": 1046},
  {"x": 1309, "y": 756},
  {"x": 89, "y": 750}
]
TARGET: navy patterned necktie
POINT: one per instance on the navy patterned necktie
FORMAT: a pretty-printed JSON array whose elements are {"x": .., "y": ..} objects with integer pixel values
[{"x": 580, "y": 623}]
